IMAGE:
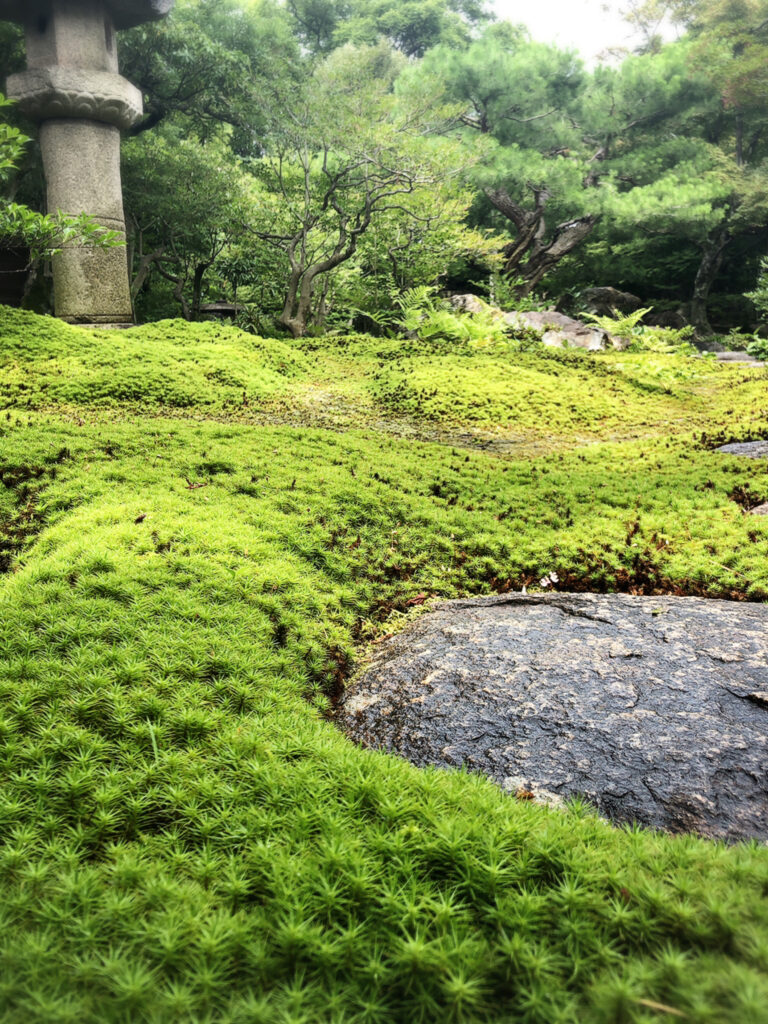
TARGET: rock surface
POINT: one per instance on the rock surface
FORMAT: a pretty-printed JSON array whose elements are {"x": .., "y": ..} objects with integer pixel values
[
  {"x": 605, "y": 301},
  {"x": 749, "y": 449},
  {"x": 560, "y": 331},
  {"x": 737, "y": 357},
  {"x": 467, "y": 303},
  {"x": 654, "y": 709}
]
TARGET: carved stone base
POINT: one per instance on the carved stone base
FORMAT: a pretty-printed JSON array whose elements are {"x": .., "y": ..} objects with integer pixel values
[{"x": 45, "y": 93}]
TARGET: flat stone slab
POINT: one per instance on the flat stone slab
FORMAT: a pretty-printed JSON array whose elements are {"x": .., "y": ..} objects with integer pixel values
[
  {"x": 654, "y": 709},
  {"x": 738, "y": 357},
  {"x": 749, "y": 449}
]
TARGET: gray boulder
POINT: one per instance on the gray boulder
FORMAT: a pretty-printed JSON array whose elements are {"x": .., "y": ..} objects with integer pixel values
[
  {"x": 560, "y": 331},
  {"x": 674, "y": 318},
  {"x": 653, "y": 708},
  {"x": 467, "y": 303},
  {"x": 605, "y": 301},
  {"x": 748, "y": 449}
]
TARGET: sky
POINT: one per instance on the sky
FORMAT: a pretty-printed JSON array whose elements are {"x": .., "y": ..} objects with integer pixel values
[{"x": 589, "y": 26}]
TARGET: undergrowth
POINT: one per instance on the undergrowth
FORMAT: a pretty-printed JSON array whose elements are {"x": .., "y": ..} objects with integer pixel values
[{"x": 184, "y": 837}]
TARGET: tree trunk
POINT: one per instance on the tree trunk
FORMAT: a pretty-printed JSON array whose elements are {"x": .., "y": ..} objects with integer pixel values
[
  {"x": 544, "y": 258},
  {"x": 289, "y": 306},
  {"x": 145, "y": 265},
  {"x": 529, "y": 256},
  {"x": 298, "y": 304},
  {"x": 178, "y": 290},
  {"x": 178, "y": 294},
  {"x": 321, "y": 307},
  {"x": 298, "y": 325},
  {"x": 711, "y": 259},
  {"x": 197, "y": 289}
]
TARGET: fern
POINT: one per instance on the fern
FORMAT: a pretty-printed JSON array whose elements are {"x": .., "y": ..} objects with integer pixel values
[
  {"x": 643, "y": 338},
  {"x": 626, "y": 326}
]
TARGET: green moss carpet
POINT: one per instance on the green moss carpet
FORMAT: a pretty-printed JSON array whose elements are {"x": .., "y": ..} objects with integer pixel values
[{"x": 200, "y": 532}]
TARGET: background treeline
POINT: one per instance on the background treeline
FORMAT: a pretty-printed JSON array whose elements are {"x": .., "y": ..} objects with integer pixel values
[{"x": 311, "y": 160}]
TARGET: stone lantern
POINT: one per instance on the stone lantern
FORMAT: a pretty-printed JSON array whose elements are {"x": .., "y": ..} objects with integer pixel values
[{"x": 73, "y": 90}]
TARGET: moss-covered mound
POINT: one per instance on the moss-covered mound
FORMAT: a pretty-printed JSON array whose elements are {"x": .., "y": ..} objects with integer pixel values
[
  {"x": 184, "y": 837},
  {"x": 44, "y": 362}
]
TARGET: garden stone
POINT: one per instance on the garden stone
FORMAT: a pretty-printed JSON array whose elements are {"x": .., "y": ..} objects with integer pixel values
[
  {"x": 743, "y": 358},
  {"x": 749, "y": 449},
  {"x": 560, "y": 331},
  {"x": 606, "y": 301},
  {"x": 467, "y": 303},
  {"x": 73, "y": 90},
  {"x": 653, "y": 708}
]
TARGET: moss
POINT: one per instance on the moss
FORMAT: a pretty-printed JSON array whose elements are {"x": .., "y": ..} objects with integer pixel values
[
  {"x": 184, "y": 837},
  {"x": 163, "y": 365}
]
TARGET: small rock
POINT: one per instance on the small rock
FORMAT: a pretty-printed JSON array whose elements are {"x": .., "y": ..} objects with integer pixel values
[
  {"x": 749, "y": 449},
  {"x": 674, "y": 318},
  {"x": 467, "y": 303},
  {"x": 737, "y": 357}
]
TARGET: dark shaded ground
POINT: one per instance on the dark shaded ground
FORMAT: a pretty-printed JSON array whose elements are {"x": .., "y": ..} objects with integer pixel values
[{"x": 655, "y": 709}]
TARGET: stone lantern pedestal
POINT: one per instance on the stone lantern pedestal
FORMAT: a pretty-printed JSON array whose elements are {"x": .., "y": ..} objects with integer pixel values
[{"x": 73, "y": 90}]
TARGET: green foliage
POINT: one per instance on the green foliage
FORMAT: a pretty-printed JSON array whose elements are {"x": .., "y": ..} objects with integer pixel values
[
  {"x": 643, "y": 338},
  {"x": 760, "y": 295},
  {"x": 569, "y": 149},
  {"x": 421, "y": 312},
  {"x": 347, "y": 154},
  {"x": 218, "y": 202},
  {"x": 412, "y": 26},
  {"x": 12, "y": 143},
  {"x": 506, "y": 293},
  {"x": 758, "y": 348},
  {"x": 207, "y": 64},
  {"x": 185, "y": 838},
  {"x": 621, "y": 325},
  {"x": 666, "y": 339},
  {"x": 405, "y": 252}
]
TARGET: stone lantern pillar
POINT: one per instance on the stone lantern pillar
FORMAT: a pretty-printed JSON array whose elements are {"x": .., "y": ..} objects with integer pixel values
[{"x": 73, "y": 90}]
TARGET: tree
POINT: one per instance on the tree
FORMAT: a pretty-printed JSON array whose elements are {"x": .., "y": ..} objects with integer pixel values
[
  {"x": 344, "y": 154},
  {"x": 732, "y": 44},
  {"x": 410, "y": 26},
  {"x": 187, "y": 204},
  {"x": 520, "y": 96},
  {"x": 563, "y": 140},
  {"x": 728, "y": 45},
  {"x": 207, "y": 64}
]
